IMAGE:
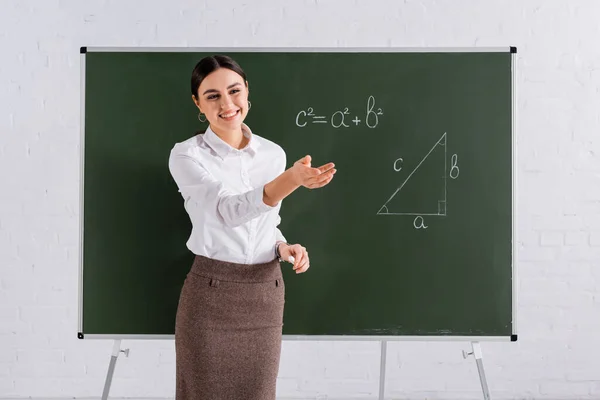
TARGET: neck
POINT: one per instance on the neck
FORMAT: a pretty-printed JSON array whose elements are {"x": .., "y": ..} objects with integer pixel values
[{"x": 234, "y": 138}]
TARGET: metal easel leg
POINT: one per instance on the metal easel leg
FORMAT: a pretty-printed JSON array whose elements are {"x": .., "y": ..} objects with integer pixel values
[
  {"x": 382, "y": 369},
  {"x": 111, "y": 367},
  {"x": 476, "y": 351}
]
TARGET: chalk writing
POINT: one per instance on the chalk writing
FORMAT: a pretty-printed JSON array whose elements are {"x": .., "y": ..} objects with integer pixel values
[
  {"x": 436, "y": 154},
  {"x": 454, "y": 171},
  {"x": 396, "y": 168},
  {"x": 372, "y": 116},
  {"x": 341, "y": 115},
  {"x": 339, "y": 118},
  {"x": 421, "y": 223}
]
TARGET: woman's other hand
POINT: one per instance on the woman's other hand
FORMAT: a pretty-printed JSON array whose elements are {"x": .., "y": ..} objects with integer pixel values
[{"x": 301, "y": 261}]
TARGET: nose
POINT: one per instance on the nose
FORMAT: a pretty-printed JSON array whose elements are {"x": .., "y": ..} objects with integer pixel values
[{"x": 226, "y": 101}]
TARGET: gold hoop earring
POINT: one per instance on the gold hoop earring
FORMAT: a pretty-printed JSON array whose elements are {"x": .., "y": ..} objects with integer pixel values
[
  {"x": 201, "y": 117},
  {"x": 249, "y": 105}
]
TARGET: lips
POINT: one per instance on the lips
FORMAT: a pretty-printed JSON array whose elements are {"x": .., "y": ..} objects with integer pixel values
[{"x": 229, "y": 114}]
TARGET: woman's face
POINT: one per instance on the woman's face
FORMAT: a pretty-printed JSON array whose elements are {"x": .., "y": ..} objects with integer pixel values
[{"x": 223, "y": 98}]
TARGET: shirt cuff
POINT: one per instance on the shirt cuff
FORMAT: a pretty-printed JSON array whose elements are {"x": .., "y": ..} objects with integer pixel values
[
  {"x": 279, "y": 236},
  {"x": 258, "y": 200}
]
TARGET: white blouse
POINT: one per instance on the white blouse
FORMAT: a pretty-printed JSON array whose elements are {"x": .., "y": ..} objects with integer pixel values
[{"x": 222, "y": 189}]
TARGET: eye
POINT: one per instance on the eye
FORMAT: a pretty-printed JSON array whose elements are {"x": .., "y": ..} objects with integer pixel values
[
  {"x": 235, "y": 91},
  {"x": 212, "y": 96}
]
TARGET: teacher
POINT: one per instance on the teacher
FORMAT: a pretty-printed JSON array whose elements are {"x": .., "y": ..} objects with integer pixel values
[{"x": 229, "y": 320}]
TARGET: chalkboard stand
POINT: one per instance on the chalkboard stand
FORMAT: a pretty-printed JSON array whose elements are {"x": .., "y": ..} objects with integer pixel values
[
  {"x": 382, "y": 369},
  {"x": 111, "y": 367},
  {"x": 476, "y": 352},
  {"x": 117, "y": 350}
]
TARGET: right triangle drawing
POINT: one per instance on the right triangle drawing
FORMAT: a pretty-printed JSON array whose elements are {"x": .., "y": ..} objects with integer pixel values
[{"x": 423, "y": 191}]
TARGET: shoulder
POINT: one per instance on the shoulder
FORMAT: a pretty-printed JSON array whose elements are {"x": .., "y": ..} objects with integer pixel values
[
  {"x": 271, "y": 155},
  {"x": 188, "y": 147},
  {"x": 269, "y": 146},
  {"x": 189, "y": 153}
]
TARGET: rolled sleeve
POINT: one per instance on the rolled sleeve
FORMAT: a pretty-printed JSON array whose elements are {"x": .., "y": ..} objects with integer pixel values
[
  {"x": 197, "y": 184},
  {"x": 278, "y": 234},
  {"x": 257, "y": 199}
]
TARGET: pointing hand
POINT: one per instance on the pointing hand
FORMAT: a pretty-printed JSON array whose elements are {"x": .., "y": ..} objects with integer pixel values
[{"x": 309, "y": 177}]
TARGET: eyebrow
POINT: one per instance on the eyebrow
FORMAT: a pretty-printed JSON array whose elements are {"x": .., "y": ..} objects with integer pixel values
[{"x": 216, "y": 91}]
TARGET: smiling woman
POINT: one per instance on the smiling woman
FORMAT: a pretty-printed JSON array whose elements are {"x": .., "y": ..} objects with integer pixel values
[
  {"x": 230, "y": 314},
  {"x": 220, "y": 91}
]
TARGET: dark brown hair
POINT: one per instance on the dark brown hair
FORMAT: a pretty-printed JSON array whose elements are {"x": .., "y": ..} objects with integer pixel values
[{"x": 210, "y": 64}]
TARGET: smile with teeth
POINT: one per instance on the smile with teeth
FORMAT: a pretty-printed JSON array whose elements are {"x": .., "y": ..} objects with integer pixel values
[{"x": 229, "y": 115}]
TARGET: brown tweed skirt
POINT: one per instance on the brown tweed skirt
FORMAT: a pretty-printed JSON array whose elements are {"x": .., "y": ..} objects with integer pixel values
[{"x": 228, "y": 331}]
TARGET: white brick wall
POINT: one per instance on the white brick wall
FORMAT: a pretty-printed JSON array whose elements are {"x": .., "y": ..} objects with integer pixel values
[{"x": 558, "y": 352}]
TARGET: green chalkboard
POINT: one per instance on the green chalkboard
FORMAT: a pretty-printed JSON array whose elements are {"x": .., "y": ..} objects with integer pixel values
[{"x": 413, "y": 237}]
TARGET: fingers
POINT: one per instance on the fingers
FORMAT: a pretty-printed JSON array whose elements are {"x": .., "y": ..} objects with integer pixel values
[
  {"x": 322, "y": 180},
  {"x": 314, "y": 172},
  {"x": 326, "y": 167},
  {"x": 310, "y": 174},
  {"x": 305, "y": 160},
  {"x": 326, "y": 176},
  {"x": 302, "y": 262},
  {"x": 303, "y": 267},
  {"x": 297, "y": 253},
  {"x": 313, "y": 178}
]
